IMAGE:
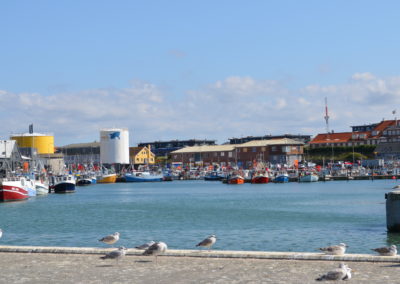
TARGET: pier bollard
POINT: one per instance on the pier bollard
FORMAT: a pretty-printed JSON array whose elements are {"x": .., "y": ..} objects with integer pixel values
[{"x": 393, "y": 211}]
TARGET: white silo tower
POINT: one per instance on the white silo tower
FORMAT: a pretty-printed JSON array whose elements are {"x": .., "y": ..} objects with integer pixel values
[{"x": 114, "y": 146}]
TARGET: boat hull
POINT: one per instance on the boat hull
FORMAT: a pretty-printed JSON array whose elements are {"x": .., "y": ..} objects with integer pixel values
[
  {"x": 150, "y": 178},
  {"x": 260, "y": 179},
  {"x": 64, "y": 187},
  {"x": 236, "y": 180},
  {"x": 107, "y": 178},
  {"x": 309, "y": 178},
  {"x": 12, "y": 193},
  {"x": 281, "y": 178},
  {"x": 84, "y": 182}
]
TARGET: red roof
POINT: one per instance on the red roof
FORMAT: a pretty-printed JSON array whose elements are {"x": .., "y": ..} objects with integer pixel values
[{"x": 340, "y": 137}]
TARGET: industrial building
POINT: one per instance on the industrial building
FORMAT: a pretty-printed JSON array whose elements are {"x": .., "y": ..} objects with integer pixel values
[
  {"x": 275, "y": 151},
  {"x": 164, "y": 148},
  {"x": 114, "y": 146}
]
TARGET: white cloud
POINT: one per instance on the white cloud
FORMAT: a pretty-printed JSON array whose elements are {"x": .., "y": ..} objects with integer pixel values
[{"x": 231, "y": 107}]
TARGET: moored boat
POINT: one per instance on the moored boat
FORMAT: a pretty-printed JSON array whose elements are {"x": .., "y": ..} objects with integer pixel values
[
  {"x": 42, "y": 187},
  {"x": 13, "y": 189},
  {"x": 143, "y": 177},
  {"x": 309, "y": 177},
  {"x": 64, "y": 184},
  {"x": 235, "y": 179},
  {"x": 260, "y": 178},
  {"x": 107, "y": 178},
  {"x": 214, "y": 175},
  {"x": 281, "y": 178},
  {"x": 84, "y": 180}
]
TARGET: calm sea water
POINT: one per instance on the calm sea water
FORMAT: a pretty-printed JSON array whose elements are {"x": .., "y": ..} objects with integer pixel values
[{"x": 265, "y": 217}]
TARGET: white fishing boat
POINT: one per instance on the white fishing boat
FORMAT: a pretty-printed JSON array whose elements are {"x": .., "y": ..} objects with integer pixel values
[{"x": 309, "y": 177}]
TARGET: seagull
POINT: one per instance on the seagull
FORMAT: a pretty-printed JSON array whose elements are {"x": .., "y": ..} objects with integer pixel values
[
  {"x": 146, "y": 245},
  {"x": 1, "y": 233},
  {"x": 156, "y": 249},
  {"x": 387, "y": 251},
  {"x": 207, "y": 242},
  {"x": 115, "y": 254},
  {"x": 341, "y": 273},
  {"x": 335, "y": 250},
  {"x": 110, "y": 239}
]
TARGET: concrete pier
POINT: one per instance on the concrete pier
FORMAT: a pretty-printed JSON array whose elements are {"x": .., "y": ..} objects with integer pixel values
[
  {"x": 83, "y": 265},
  {"x": 393, "y": 211}
]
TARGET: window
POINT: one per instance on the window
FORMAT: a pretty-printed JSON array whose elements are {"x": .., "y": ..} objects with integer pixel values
[
  {"x": 244, "y": 150},
  {"x": 222, "y": 154},
  {"x": 254, "y": 149},
  {"x": 273, "y": 148},
  {"x": 230, "y": 154},
  {"x": 263, "y": 149}
]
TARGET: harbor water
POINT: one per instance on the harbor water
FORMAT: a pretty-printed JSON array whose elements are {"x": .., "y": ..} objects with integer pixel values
[{"x": 255, "y": 217}]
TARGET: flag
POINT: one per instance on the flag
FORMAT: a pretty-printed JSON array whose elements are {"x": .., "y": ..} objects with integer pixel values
[
  {"x": 394, "y": 111},
  {"x": 30, "y": 128}
]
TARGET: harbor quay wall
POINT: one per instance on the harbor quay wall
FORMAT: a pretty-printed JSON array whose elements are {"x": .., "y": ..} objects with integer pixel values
[{"x": 83, "y": 265}]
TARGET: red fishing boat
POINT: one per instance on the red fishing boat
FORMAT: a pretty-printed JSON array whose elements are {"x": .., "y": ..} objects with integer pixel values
[
  {"x": 260, "y": 178},
  {"x": 13, "y": 189},
  {"x": 236, "y": 179}
]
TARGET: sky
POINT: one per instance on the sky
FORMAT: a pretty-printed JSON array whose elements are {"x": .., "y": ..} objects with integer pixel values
[{"x": 190, "y": 69}]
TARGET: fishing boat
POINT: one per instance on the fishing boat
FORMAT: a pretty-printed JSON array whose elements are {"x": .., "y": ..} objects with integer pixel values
[
  {"x": 214, "y": 175},
  {"x": 31, "y": 187},
  {"x": 235, "y": 179},
  {"x": 260, "y": 177},
  {"x": 143, "y": 177},
  {"x": 64, "y": 183},
  {"x": 309, "y": 177},
  {"x": 42, "y": 187},
  {"x": 281, "y": 178},
  {"x": 13, "y": 189},
  {"x": 84, "y": 180},
  {"x": 106, "y": 178}
]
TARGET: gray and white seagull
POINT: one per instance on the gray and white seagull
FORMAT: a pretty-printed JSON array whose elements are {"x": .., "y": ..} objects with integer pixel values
[
  {"x": 146, "y": 245},
  {"x": 208, "y": 242},
  {"x": 115, "y": 254},
  {"x": 339, "y": 249},
  {"x": 110, "y": 239},
  {"x": 341, "y": 273},
  {"x": 156, "y": 249},
  {"x": 387, "y": 251}
]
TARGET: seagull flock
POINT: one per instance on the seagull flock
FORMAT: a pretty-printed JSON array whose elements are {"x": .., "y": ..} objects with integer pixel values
[{"x": 343, "y": 272}]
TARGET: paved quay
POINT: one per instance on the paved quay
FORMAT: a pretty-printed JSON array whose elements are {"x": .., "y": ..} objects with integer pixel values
[{"x": 83, "y": 265}]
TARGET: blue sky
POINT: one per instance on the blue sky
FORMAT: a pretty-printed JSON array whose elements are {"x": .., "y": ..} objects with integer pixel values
[{"x": 196, "y": 69}]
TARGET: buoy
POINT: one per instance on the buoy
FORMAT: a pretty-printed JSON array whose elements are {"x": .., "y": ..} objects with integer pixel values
[{"x": 393, "y": 177}]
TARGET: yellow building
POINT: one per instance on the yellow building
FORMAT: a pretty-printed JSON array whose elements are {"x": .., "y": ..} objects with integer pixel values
[
  {"x": 43, "y": 143},
  {"x": 141, "y": 155}
]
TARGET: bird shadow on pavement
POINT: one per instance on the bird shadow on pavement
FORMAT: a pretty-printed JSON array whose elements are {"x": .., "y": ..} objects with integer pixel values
[{"x": 143, "y": 261}]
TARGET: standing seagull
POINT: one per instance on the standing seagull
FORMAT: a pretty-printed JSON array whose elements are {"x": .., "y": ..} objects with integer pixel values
[
  {"x": 146, "y": 245},
  {"x": 339, "y": 249},
  {"x": 156, "y": 249},
  {"x": 207, "y": 242},
  {"x": 387, "y": 251},
  {"x": 110, "y": 239},
  {"x": 116, "y": 254},
  {"x": 341, "y": 273}
]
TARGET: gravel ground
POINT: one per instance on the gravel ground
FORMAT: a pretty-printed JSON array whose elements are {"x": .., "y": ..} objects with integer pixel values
[{"x": 89, "y": 268}]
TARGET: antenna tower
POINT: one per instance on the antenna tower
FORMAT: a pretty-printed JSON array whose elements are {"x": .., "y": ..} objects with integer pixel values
[{"x": 326, "y": 115}]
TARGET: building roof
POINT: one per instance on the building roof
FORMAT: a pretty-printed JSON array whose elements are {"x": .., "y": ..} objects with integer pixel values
[
  {"x": 382, "y": 126},
  {"x": 205, "y": 148},
  {"x": 133, "y": 151},
  {"x": 81, "y": 145},
  {"x": 262, "y": 143},
  {"x": 340, "y": 137}
]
